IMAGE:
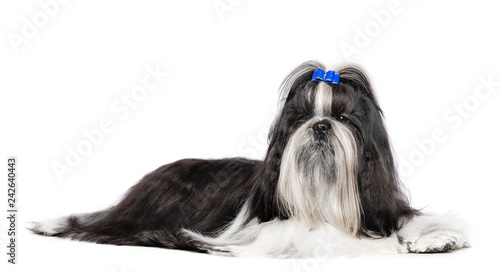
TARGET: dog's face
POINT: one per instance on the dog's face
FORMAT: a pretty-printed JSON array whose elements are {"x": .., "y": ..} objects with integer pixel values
[{"x": 333, "y": 162}]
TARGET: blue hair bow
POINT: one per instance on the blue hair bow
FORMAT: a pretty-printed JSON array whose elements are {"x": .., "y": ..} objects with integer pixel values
[{"x": 330, "y": 77}]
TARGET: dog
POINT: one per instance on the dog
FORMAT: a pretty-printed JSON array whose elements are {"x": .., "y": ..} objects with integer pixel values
[{"x": 328, "y": 185}]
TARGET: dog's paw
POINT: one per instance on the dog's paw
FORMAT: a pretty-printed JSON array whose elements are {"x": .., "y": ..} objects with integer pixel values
[
  {"x": 437, "y": 241},
  {"x": 432, "y": 234}
]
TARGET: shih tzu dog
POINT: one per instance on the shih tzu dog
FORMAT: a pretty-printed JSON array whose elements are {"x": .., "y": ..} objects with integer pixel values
[{"x": 327, "y": 186}]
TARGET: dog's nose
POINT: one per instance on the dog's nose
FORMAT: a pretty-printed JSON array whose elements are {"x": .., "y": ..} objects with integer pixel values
[{"x": 322, "y": 127}]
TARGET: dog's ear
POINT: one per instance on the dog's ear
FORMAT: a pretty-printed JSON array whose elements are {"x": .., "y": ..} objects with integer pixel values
[
  {"x": 382, "y": 198},
  {"x": 264, "y": 204}
]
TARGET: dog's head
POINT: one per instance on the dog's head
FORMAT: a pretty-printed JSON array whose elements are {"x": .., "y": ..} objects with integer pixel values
[{"x": 329, "y": 159}]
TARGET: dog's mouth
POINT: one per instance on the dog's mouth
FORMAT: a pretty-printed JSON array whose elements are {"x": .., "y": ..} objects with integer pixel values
[{"x": 321, "y": 139}]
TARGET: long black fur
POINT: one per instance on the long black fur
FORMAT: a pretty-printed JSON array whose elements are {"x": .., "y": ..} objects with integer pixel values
[{"x": 205, "y": 195}]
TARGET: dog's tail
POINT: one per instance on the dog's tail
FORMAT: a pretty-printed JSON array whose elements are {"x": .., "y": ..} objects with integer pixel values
[
  {"x": 103, "y": 227},
  {"x": 74, "y": 226}
]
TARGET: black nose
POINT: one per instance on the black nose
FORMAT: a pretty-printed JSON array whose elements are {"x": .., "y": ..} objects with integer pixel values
[{"x": 322, "y": 127}]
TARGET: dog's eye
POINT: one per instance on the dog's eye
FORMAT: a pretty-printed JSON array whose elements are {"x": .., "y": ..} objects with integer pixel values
[{"x": 341, "y": 118}]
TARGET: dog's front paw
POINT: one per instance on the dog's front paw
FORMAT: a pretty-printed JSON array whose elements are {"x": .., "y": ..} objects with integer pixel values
[
  {"x": 437, "y": 241},
  {"x": 432, "y": 234}
]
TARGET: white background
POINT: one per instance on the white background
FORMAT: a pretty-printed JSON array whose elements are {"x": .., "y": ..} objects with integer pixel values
[{"x": 64, "y": 75}]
